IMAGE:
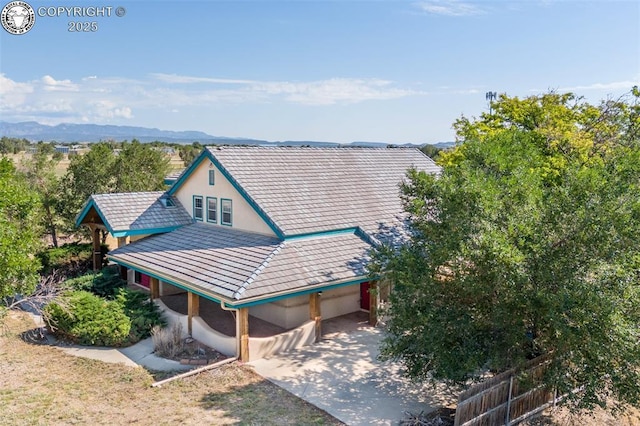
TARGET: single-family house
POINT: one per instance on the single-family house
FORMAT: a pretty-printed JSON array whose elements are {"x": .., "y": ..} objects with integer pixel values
[{"x": 251, "y": 248}]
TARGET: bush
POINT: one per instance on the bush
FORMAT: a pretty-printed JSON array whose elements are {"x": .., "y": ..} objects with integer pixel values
[
  {"x": 105, "y": 283},
  {"x": 72, "y": 259},
  {"x": 168, "y": 342},
  {"x": 142, "y": 312},
  {"x": 89, "y": 320}
]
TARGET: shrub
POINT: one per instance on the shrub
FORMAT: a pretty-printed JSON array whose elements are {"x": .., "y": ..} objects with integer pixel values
[
  {"x": 89, "y": 320},
  {"x": 72, "y": 259},
  {"x": 105, "y": 283},
  {"x": 143, "y": 313},
  {"x": 167, "y": 342}
]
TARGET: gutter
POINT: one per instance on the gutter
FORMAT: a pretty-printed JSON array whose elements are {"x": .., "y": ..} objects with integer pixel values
[{"x": 235, "y": 317}]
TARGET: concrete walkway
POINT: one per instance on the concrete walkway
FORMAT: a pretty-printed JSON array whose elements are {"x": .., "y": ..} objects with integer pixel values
[
  {"x": 342, "y": 376},
  {"x": 140, "y": 354}
]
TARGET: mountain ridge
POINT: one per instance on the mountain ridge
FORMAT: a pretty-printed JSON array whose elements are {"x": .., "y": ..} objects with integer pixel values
[{"x": 79, "y": 133}]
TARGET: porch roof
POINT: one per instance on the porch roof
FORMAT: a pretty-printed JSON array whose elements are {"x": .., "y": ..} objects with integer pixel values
[
  {"x": 237, "y": 266},
  {"x": 134, "y": 213}
]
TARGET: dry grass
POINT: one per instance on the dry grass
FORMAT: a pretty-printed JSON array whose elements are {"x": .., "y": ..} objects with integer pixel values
[
  {"x": 599, "y": 417},
  {"x": 41, "y": 385}
]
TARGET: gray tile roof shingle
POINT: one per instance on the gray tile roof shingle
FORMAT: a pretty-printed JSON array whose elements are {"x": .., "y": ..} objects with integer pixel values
[
  {"x": 306, "y": 190},
  {"x": 140, "y": 211},
  {"x": 238, "y": 265}
]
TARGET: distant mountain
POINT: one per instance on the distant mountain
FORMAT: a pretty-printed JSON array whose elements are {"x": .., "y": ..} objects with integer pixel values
[{"x": 69, "y": 133}]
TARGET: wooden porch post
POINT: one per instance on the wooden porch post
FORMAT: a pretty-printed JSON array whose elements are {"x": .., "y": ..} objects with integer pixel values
[
  {"x": 122, "y": 241},
  {"x": 154, "y": 288},
  {"x": 315, "y": 313},
  {"x": 97, "y": 254},
  {"x": 193, "y": 306},
  {"x": 243, "y": 328},
  {"x": 373, "y": 303}
]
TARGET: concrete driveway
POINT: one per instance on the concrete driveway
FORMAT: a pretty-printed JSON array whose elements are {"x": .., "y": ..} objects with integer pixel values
[{"x": 342, "y": 376}]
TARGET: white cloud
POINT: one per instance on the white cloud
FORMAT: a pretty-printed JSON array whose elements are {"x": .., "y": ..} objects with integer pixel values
[
  {"x": 449, "y": 8},
  {"x": 114, "y": 100},
  {"x": 51, "y": 84},
  {"x": 184, "y": 79},
  {"x": 615, "y": 85}
]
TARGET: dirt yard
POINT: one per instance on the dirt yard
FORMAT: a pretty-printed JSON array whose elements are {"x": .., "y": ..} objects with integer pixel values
[{"x": 41, "y": 385}]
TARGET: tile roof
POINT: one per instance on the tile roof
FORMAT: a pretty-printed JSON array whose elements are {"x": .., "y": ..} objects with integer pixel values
[
  {"x": 305, "y": 190},
  {"x": 139, "y": 211},
  {"x": 237, "y": 265}
]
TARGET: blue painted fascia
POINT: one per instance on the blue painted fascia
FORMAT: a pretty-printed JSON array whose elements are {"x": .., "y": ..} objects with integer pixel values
[
  {"x": 343, "y": 231},
  {"x": 130, "y": 232},
  {"x": 85, "y": 210},
  {"x": 303, "y": 292},
  {"x": 206, "y": 154},
  {"x": 173, "y": 283},
  {"x": 169, "y": 181}
]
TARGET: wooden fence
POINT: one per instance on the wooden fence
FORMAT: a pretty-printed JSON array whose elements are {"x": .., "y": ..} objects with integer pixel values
[{"x": 506, "y": 399}]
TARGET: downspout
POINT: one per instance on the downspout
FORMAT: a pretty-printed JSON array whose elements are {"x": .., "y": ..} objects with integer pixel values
[{"x": 233, "y": 312}]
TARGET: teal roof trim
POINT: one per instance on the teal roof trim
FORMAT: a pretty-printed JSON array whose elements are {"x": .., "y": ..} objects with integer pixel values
[
  {"x": 206, "y": 154},
  {"x": 132, "y": 232},
  {"x": 360, "y": 280},
  {"x": 90, "y": 203},
  {"x": 344, "y": 231}
]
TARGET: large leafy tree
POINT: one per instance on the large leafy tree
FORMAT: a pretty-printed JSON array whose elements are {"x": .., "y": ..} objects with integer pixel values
[
  {"x": 140, "y": 167},
  {"x": 40, "y": 171},
  {"x": 19, "y": 233},
  {"x": 526, "y": 244}
]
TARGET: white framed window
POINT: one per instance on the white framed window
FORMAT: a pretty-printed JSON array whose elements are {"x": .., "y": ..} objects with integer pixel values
[
  {"x": 226, "y": 214},
  {"x": 197, "y": 207},
  {"x": 212, "y": 209}
]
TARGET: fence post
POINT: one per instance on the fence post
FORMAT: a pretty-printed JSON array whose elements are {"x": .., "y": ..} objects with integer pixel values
[{"x": 508, "y": 415}]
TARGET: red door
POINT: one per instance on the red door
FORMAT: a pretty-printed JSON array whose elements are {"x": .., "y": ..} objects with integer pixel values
[
  {"x": 364, "y": 296},
  {"x": 145, "y": 280}
]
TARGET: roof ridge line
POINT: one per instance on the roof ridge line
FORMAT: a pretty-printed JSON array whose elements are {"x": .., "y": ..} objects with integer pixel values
[{"x": 259, "y": 269}]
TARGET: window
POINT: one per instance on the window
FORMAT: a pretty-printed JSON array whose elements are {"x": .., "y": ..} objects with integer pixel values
[
  {"x": 225, "y": 216},
  {"x": 137, "y": 277},
  {"x": 167, "y": 201},
  {"x": 212, "y": 177},
  {"x": 212, "y": 209},
  {"x": 197, "y": 207}
]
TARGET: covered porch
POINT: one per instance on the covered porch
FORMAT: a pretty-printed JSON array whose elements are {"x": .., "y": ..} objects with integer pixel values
[{"x": 235, "y": 332}]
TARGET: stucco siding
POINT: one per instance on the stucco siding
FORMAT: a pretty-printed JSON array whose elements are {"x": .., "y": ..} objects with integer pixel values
[
  {"x": 286, "y": 313},
  {"x": 294, "y": 311},
  {"x": 244, "y": 217},
  {"x": 340, "y": 301}
]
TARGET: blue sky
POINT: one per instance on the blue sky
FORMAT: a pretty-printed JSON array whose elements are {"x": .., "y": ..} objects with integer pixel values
[{"x": 341, "y": 71}]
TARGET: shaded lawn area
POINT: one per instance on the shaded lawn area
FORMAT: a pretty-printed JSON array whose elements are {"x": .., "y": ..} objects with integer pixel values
[{"x": 42, "y": 385}]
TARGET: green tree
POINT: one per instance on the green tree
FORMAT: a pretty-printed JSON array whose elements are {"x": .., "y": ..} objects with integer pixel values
[
  {"x": 40, "y": 171},
  {"x": 189, "y": 152},
  {"x": 527, "y": 244},
  {"x": 19, "y": 233},
  {"x": 91, "y": 173},
  {"x": 140, "y": 167}
]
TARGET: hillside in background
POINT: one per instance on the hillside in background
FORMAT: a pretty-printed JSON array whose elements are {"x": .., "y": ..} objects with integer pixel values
[{"x": 76, "y": 133}]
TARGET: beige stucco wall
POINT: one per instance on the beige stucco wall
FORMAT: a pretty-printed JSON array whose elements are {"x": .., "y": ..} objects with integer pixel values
[
  {"x": 174, "y": 317},
  {"x": 203, "y": 333},
  {"x": 340, "y": 301},
  {"x": 167, "y": 289},
  {"x": 260, "y": 347},
  {"x": 293, "y": 311},
  {"x": 244, "y": 217}
]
